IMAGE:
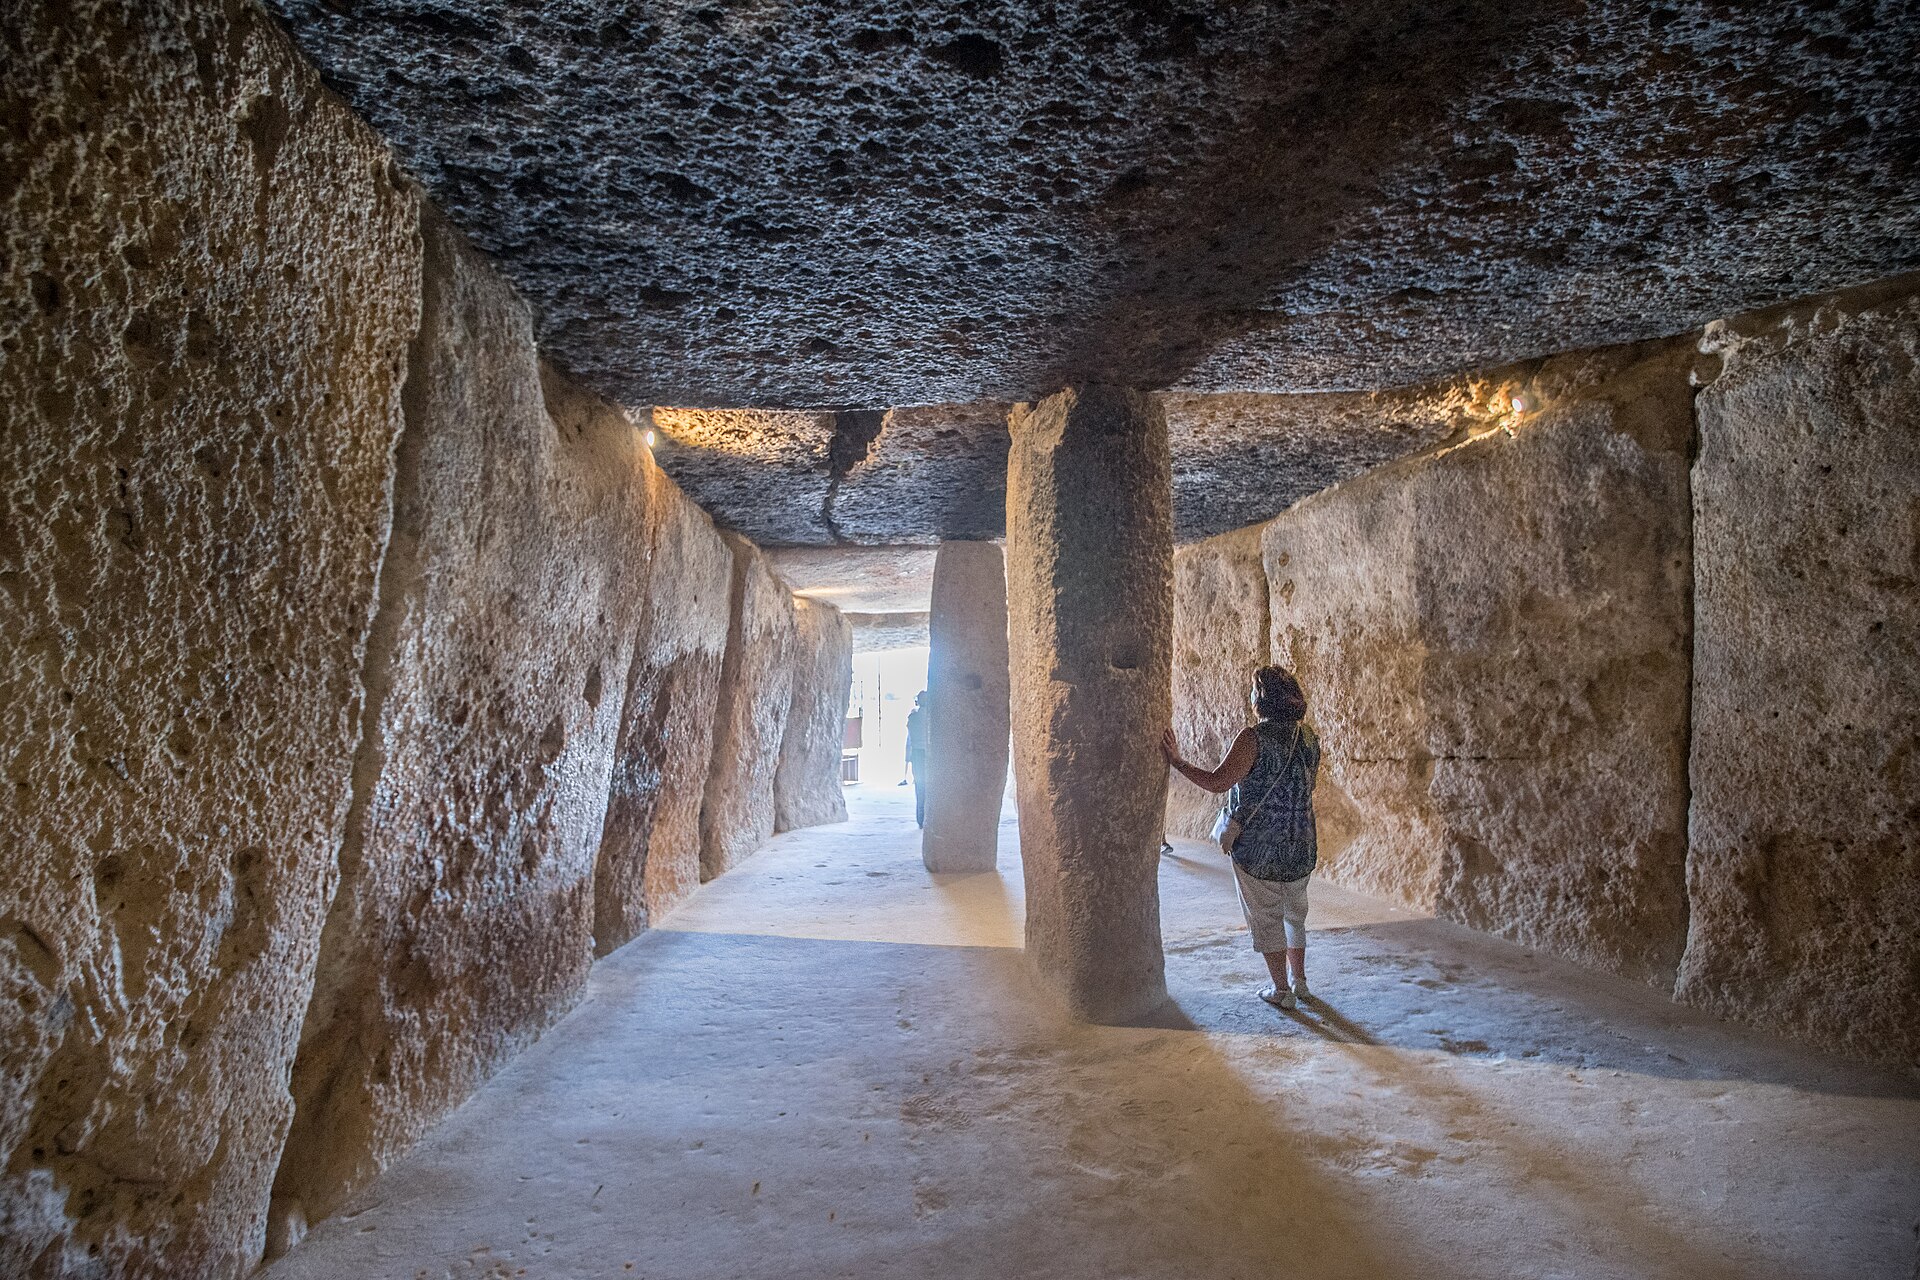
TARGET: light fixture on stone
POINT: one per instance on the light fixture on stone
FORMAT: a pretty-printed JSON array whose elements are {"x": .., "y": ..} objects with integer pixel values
[
  {"x": 1524, "y": 402},
  {"x": 649, "y": 437}
]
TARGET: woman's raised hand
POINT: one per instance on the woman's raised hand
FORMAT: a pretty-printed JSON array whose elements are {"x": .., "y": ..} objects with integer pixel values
[{"x": 1170, "y": 747}]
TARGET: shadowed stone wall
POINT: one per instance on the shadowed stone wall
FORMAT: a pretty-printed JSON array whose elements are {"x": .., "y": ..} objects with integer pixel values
[
  {"x": 650, "y": 847},
  {"x": 1533, "y": 657},
  {"x": 1804, "y": 873},
  {"x": 756, "y": 691},
  {"x": 509, "y": 601},
  {"x": 312, "y": 583},
  {"x": 207, "y": 287},
  {"x": 1494, "y": 644},
  {"x": 1219, "y": 637},
  {"x": 806, "y": 785},
  {"x": 1090, "y": 620}
]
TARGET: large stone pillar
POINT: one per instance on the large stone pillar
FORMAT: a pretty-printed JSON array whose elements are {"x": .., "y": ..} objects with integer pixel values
[
  {"x": 1090, "y": 601},
  {"x": 966, "y": 708}
]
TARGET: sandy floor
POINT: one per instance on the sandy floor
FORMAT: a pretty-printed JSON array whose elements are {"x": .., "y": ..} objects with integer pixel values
[{"x": 829, "y": 1064}]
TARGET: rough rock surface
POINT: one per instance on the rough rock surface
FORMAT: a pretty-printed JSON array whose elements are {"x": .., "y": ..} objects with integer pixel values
[
  {"x": 762, "y": 474},
  {"x": 806, "y": 786},
  {"x": 1242, "y": 459},
  {"x": 510, "y": 597},
  {"x": 878, "y": 632},
  {"x": 1219, "y": 637},
  {"x": 861, "y": 579},
  {"x": 875, "y": 204},
  {"x": 1090, "y": 523},
  {"x": 208, "y": 281},
  {"x": 935, "y": 472},
  {"x": 939, "y": 472},
  {"x": 967, "y": 708},
  {"x": 756, "y": 689},
  {"x": 1494, "y": 643},
  {"x": 650, "y": 846},
  {"x": 1806, "y": 765}
]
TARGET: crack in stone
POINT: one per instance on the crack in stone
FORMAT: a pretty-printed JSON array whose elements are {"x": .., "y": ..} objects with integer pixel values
[{"x": 854, "y": 433}]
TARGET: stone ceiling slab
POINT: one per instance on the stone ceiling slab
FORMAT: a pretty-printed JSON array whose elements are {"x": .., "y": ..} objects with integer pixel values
[
  {"x": 762, "y": 473},
  {"x": 873, "y": 204},
  {"x": 1241, "y": 459},
  {"x": 880, "y": 632},
  {"x": 940, "y": 472},
  {"x": 934, "y": 473},
  {"x": 860, "y": 579}
]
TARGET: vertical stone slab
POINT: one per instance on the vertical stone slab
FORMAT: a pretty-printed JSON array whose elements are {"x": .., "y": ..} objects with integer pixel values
[
  {"x": 1805, "y": 821},
  {"x": 806, "y": 786},
  {"x": 756, "y": 691},
  {"x": 1342, "y": 569},
  {"x": 208, "y": 281},
  {"x": 512, "y": 590},
  {"x": 1219, "y": 639},
  {"x": 1558, "y": 646},
  {"x": 967, "y": 707},
  {"x": 1494, "y": 643},
  {"x": 1090, "y": 613},
  {"x": 650, "y": 846}
]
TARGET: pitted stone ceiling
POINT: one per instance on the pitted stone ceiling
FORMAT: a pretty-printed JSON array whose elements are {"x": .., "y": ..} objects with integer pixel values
[
  {"x": 863, "y": 205},
  {"x": 807, "y": 478}
]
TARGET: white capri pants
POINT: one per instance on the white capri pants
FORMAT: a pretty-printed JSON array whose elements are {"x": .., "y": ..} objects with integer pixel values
[{"x": 1276, "y": 910}]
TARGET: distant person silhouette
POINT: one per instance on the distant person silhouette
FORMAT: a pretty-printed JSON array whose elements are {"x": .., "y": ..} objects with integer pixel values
[{"x": 917, "y": 756}]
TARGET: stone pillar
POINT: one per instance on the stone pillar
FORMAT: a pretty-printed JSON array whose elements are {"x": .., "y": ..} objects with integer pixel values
[
  {"x": 1090, "y": 601},
  {"x": 966, "y": 708}
]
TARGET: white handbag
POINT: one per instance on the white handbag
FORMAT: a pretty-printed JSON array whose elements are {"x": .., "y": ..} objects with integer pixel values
[{"x": 1226, "y": 830}]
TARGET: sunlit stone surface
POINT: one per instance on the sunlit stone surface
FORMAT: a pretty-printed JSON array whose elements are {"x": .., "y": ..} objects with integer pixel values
[{"x": 966, "y": 708}]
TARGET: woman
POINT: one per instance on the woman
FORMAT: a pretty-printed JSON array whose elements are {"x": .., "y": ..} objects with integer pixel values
[{"x": 1270, "y": 771}]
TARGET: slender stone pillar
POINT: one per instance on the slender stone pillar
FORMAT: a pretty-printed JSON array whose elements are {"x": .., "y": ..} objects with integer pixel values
[
  {"x": 966, "y": 708},
  {"x": 1090, "y": 601}
]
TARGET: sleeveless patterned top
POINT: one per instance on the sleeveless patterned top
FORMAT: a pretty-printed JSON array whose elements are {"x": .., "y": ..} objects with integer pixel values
[{"x": 1279, "y": 842}]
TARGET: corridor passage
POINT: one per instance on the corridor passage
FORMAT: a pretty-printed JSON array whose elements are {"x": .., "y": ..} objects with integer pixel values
[{"x": 829, "y": 1064}]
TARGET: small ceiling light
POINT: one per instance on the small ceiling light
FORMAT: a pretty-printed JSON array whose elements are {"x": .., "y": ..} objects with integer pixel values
[
  {"x": 1524, "y": 403},
  {"x": 649, "y": 439}
]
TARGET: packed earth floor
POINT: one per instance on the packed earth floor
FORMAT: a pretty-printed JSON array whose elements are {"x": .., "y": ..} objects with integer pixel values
[{"x": 830, "y": 1064}]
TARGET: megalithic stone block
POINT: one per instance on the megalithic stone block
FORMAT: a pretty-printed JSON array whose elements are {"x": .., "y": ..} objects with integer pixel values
[
  {"x": 967, "y": 708},
  {"x": 806, "y": 787},
  {"x": 1090, "y": 607},
  {"x": 756, "y": 694}
]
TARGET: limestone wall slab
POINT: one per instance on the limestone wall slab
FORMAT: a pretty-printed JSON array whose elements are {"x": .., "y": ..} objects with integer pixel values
[
  {"x": 1805, "y": 821},
  {"x": 207, "y": 285},
  {"x": 1342, "y": 575},
  {"x": 1219, "y": 638},
  {"x": 512, "y": 591},
  {"x": 756, "y": 690},
  {"x": 806, "y": 784},
  {"x": 1494, "y": 641},
  {"x": 650, "y": 846}
]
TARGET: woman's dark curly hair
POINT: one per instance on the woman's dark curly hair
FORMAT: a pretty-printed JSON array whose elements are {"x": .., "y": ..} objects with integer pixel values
[{"x": 1277, "y": 696}]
